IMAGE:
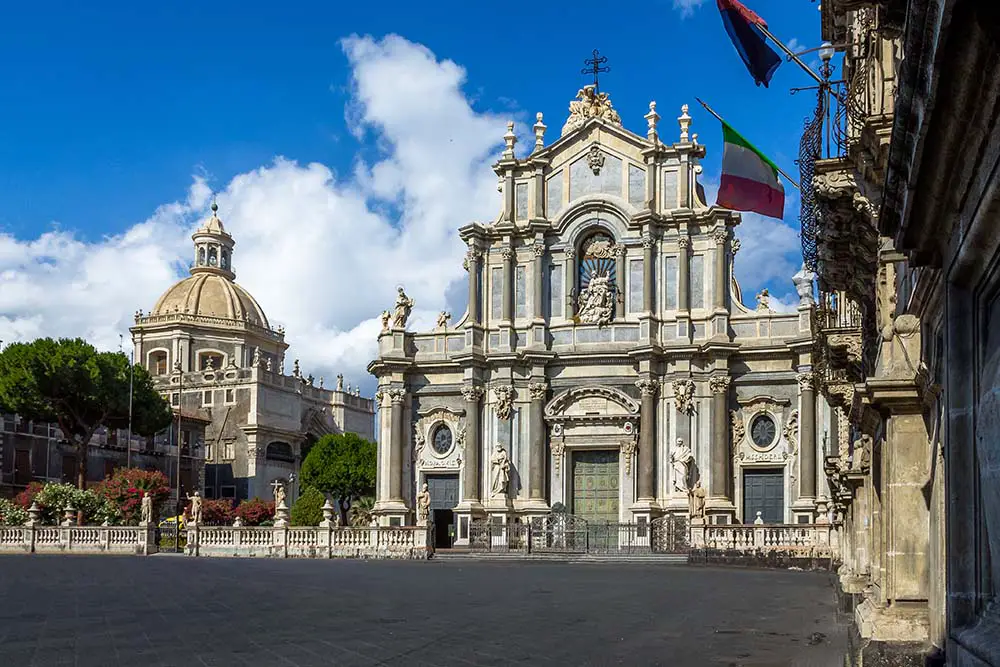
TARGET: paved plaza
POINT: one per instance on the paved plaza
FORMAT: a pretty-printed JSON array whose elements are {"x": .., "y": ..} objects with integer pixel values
[{"x": 171, "y": 610}]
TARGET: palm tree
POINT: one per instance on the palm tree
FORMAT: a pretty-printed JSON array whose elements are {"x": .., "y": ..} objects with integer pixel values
[{"x": 361, "y": 511}]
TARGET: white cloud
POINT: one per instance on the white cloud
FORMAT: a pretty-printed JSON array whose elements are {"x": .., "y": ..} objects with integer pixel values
[
  {"x": 687, "y": 7},
  {"x": 323, "y": 252},
  {"x": 312, "y": 246},
  {"x": 794, "y": 45}
]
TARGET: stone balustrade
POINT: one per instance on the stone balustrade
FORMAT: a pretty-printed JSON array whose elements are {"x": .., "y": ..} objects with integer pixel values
[
  {"x": 404, "y": 542},
  {"x": 800, "y": 539},
  {"x": 33, "y": 538}
]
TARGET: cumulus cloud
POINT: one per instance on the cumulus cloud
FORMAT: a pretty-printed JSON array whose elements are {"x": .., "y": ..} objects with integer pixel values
[
  {"x": 322, "y": 251},
  {"x": 687, "y": 7}
]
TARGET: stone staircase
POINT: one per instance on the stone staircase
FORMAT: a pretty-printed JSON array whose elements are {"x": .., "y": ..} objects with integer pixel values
[{"x": 556, "y": 557}]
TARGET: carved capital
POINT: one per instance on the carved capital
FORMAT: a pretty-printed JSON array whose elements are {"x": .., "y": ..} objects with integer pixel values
[
  {"x": 647, "y": 387},
  {"x": 720, "y": 384},
  {"x": 720, "y": 236},
  {"x": 807, "y": 381},
  {"x": 684, "y": 242},
  {"x": 620, "y": 250},
  {"x": 379, "y": 395},
  {"x": 538, "y": 390},
  {"x": 539, "y": 249},
  {"x": 507, "y": 253},
  {"x": 472, "y": 393},
  {"x": 735, "y": 247},
  {"x": 471, "y": 256},
  {"x": 647, "y": 240},
  {"x": 397, "y": 395},
  {"x": 570, "y": 252}
]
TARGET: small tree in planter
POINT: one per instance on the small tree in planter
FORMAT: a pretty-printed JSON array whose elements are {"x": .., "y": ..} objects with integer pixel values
[
  {"x": 126, "y": 488},
  {"x": 217, "y": 512},
  {"x": 255, "y": 512}
]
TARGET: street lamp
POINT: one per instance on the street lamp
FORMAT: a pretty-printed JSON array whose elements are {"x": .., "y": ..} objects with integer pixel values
[
  {"x": 826, "y": 52},
  {"x": 180, "y": 405}
]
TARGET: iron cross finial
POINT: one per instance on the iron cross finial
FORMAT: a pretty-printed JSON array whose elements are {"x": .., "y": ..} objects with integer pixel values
[{"x": 594, "y": 66}]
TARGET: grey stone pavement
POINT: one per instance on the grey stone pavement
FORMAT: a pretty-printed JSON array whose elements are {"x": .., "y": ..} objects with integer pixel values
[{"x": 103, "y": 611}]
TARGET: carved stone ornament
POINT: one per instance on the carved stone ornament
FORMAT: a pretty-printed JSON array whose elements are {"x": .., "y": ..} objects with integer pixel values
[
  {"x": 628, "y": 452},
  {"x": 379, "y": 395},
  {"x": 558, "y": 448},
  {"x": 538, "y": 390},
  {"x": 803, "y": 281},
  {"x": 472, "y": 392},
  {"x": 720, "y": 236},
  {"x": 418, "y": 441},
  {"x": 507, "y": 253},
  {"x": 504, "y": 394},
  {"x": 807, "y": 381},
  {"x": 791, "y": 430},
  {"x": 739, "y": 428},
  {"x": 404, "y": 305},
  {"x": 620, "y": 250},
  {"x": 735, "y": 246},
  {"x": 850, "y": 342},
  {"x": 442, "y": 320},
  {"x": 684, "y": 396},
  {"x": 471, "y": 256},
  {"x": 647, "y": 240},
  {"x": 719, "y": 384},
  {"x": 647, "y": 387},
  {"x": 539, "y": 249},
  {"x": 844, "y": 391},
  {"x": 683, "y": 242},
  {"x": 595, "y": 159},
  {"x": 600, "y": 246},
  {"x": 597, "y": 302},
  {"x": 590, "y": 104},
  {"x": 397, "y": 395}
]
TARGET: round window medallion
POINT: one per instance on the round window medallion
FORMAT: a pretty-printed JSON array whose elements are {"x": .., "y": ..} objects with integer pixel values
[
  {"x": 441, "y": 441},
  {"x": 763, "y": 430}
]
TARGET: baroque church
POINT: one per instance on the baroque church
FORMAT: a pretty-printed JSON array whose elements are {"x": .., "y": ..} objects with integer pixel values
[
  {"x": 606, "y": 365},
  {"x": 214, "y": 355}
]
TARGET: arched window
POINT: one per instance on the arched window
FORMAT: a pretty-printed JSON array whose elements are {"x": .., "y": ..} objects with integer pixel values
[
  {"x": 201, "y": 256},
  {"x": 280, "y": 451},
  {"x": 225, "y": 258},
  {"x": 158, "y": 363},
  {"x": 210, "y": 361},
  {"x": 213, "y": 258},
  {"x": 597, "y": 279}
]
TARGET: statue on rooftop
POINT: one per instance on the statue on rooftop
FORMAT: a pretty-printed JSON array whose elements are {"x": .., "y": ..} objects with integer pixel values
[{"x": 404, "y": 305}]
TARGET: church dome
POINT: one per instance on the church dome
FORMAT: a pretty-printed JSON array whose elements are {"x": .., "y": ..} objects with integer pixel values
[{"x": 211, "y": 295}]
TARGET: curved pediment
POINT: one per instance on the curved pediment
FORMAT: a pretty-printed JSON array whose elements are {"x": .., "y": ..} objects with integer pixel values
[{"x": 595, "y": 400}]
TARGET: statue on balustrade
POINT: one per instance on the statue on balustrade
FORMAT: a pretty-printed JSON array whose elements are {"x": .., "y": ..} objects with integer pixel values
[
  {"x": 404, "y": 305},
  {"x": 146, "y": 509},
  {"x": 195, "y": 507},
  {"x": 423, "y": 505}
]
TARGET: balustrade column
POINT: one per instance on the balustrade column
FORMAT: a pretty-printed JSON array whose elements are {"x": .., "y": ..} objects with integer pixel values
[
  {"x": 539, "y": 280},
  {"x": 720, "y": 289},
  {"x": 807, "y": 435},
  {"x": 472, "y": 258},
  {"x": 536, "y": 455},
  {"x": 647, "y": 272},
  {"x": 470, "y": 481},
  {"x": 683, "y": 274},
  {"x": 722, "y": 475},
  {"x": 647, "y": 439},
  {"x": 507, "y": 314},
  {"x": 397, "y": 396}
]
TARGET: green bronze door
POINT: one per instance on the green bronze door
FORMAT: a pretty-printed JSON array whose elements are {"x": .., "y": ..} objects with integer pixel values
[{"x": 595, "y": 485}]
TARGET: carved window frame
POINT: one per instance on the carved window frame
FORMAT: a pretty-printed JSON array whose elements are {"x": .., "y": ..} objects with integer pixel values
[
  {"x": 775, "y": 421},
  {"x": 431, "y": 432}
]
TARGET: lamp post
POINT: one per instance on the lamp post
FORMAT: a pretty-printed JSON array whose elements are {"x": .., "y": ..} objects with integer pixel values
[
  {"x": 128, "y": 439},
  {"x": 180, "y": 405}
]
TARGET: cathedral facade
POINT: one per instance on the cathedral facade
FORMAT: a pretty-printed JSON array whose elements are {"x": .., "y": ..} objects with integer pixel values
[
  {"x": 214, "y": 355},
  {"x": 606, "y": 363}
]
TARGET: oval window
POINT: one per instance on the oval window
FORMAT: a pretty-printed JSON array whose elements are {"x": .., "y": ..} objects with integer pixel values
[
  {"x": 441, "y": 442},
  {"x": 762, "y": 430}
]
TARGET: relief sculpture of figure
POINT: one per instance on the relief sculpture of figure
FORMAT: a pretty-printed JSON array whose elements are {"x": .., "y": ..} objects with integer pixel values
[
  {"x": 404, "y": 305},
  {"x": 681, "y": 458},
  {"x": 423, "y": 505},
  {"x": 597, "y": 301},
  {"x": 499, "y": 472}
]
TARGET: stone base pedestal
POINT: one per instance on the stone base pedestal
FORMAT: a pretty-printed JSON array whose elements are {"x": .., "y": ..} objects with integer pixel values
[
  {"x": 392, "y": 513},
  {"x": 465, "y": 513},
  {"x": 804, "y": 507},
  {"x": 720, "y": 510},
  {"x": 890, "y": 636}
]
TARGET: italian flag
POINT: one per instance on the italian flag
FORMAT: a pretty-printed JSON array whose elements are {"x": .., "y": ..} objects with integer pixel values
[{"x": 749, "y": 179}]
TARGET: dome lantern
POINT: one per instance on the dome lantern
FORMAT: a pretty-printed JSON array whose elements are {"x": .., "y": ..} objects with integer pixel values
[{"x": 213, "y": 248}]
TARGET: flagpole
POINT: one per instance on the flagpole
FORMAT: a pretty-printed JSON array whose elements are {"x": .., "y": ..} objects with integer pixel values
[
  {"x": 721, "y": 120},
  {"x": 777, "y": 42}
]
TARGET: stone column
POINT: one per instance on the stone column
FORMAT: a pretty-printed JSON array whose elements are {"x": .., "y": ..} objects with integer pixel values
[
  {"x": 720, "y": 288},
  {"x": 536, "y": 455},
  {"x": 721, "y": 482},
  {"x": 397, "y": 395},
  {"x": 539, "y": 249},
  {"x": 683, "y": 274},
  {"x": 472, "y": 258},
  {"x": 570, "y": 283},
  {"x": 470, "y": 469},
  {"x": 647, "y": 440},
  {"x": 507, "y": 314},
  {"x": 647, "y": 272},
  {"x": 807, "y": 435},
  {"x": 620, "y": 251}
]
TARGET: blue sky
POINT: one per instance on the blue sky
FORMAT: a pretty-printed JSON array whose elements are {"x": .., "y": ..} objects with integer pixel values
[{"x": 108, "y": 113}]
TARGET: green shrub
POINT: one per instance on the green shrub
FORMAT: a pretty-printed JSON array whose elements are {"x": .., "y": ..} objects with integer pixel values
[
  {"x": 256, "y": 512},
  {"x": 53, "y": 500},
  {"x": 308, "y": 509},
  {"x": 12, "y": 514}
]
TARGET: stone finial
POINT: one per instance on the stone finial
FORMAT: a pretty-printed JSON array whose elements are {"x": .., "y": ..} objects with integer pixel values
[
  {"x": 295, "y": 369},
  {"x": 510, "y": 139},
  {"x": 327, "y": 510},
  {"x": 320, "y": 381},
  {"x": 684, "y": 120},
  {"x": 340, "y": 382},
  {"x": 34, "y": 513},
  {"x": 539, "y": 128},
  {"x": 349, "y": 390},
  {"x": 138, "y": 315},
  {"x": 69, "y": 517},
  {"x": 652, "y": 118}
]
